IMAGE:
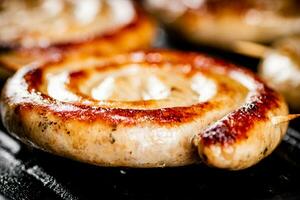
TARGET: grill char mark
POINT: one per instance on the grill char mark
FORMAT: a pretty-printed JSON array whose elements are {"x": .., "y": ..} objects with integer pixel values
[
  {"x": 127, "y": 117},
  {"x": 235, "y": 126}
]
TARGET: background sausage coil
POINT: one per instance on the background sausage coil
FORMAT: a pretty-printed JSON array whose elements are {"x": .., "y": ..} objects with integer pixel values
[
  {"x": 220, "y": 23},
  {"x": 280, "y": 68},
  {"x": 45, "y": 29}
]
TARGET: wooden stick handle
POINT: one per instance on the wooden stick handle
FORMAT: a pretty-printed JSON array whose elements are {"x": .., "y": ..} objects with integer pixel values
[
  {"x": 281, "y": 119},
  {"x": 251, "y": 49}
]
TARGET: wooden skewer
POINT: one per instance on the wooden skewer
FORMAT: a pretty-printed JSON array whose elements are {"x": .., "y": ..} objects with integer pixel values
[
  {"x": 281, "y": 119},
  {"x": 251, "y": 49}
]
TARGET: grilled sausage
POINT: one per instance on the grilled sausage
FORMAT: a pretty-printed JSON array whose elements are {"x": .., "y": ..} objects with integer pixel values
[
  {"x": 221, "y": 22},
  {"x": 39, "y": 30},
  {"x": 280, "y": 68},
  {"x": 145, "y": 109}
]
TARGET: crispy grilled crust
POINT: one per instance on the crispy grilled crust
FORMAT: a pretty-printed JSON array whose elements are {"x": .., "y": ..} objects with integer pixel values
[
  {"x": 139, "y": 34},
  {"x": 219, "y": 23},
  {"x": 232, "y": 130}
]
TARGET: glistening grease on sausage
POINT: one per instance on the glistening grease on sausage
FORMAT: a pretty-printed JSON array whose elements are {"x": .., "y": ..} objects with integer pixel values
[{"x": 145, "y": 109}]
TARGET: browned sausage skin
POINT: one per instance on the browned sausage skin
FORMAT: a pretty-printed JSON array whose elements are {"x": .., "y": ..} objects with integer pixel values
[
  {"x": 230, "y": 137},
  {"x": 191, "y": 102}
]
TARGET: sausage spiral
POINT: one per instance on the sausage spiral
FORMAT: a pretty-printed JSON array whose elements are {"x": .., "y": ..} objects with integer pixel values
[
  {"x": 145, "y": 109},
  {"x": 44, "y": 29}
]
